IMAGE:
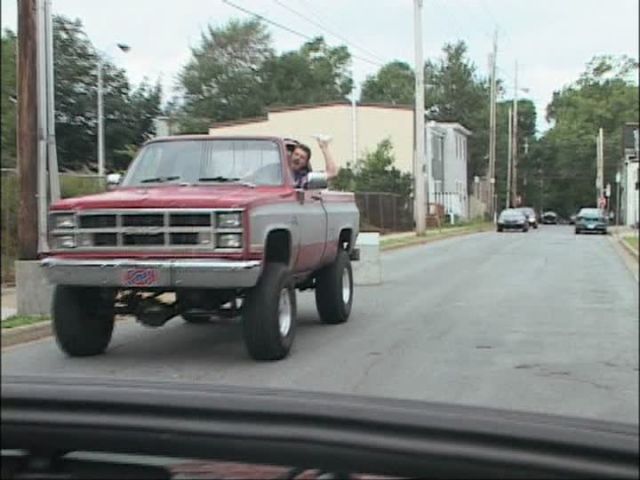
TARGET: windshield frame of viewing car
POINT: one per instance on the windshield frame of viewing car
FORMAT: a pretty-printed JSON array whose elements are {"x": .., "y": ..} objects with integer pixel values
[{"x": 207, "y": 162}]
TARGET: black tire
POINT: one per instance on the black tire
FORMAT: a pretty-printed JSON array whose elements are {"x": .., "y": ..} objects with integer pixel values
[
  {"x": 260, "y": 314},
  {"x": 195, "y": 319},
  {"x": 83, "y": 319},
  {"x": 330, "y": 301},
  {"x": 577, "y": 232},
  {"x": 499, "y": 229}
]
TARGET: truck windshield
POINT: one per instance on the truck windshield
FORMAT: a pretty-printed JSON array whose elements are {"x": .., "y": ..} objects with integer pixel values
[{"x": 207, "y": 162}]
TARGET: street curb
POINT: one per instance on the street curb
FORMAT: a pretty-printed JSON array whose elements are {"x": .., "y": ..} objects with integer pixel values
[
  {"x": 628, "y": 247},
  {"x": 628, "y": 256},
  {"x": 28, "y": 333},
  {"x": 31, "y": 333},
  {"x": 422, "y": 241}
]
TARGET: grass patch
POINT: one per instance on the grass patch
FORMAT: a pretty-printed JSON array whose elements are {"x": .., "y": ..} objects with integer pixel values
[
  {"x": 22, "y": 321},
  {"x": 433, "y": 234},
  {"x": 632, "y": 240}
]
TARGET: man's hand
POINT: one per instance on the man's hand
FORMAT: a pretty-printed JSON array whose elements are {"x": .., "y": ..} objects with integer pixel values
[
  {"x": 323, "y": 141},
  {"x": 331, "y": 167}
]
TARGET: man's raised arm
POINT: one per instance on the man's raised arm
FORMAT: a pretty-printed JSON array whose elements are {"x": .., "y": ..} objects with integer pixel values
[{"x": 331, "y": 168}]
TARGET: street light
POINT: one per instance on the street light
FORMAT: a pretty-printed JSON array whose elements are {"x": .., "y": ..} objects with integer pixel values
[{"x": 124, "y": 48}]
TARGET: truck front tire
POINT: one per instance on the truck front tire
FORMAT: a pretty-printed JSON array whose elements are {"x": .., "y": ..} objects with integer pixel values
[
  {"x": 269, "y": 314},
  {"x": 334, "y": 290},
  {"x": 83, "y": 319}
]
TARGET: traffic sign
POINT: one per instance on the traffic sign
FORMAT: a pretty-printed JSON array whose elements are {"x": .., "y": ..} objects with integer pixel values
[{"x": 602, "y": 203}]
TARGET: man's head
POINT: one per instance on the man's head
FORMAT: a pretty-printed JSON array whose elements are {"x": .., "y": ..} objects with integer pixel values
[{"x": 299, "y": 158}]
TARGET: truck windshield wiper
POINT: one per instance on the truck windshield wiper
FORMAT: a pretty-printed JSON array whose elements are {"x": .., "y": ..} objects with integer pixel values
[
  {"x": 159, "y": 179},
  {"x": 221, "y": 179},
  {"x": 218, "y": 179}
]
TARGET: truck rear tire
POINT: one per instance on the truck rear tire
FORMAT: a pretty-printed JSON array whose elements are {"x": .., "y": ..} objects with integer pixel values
[
  {"x": 269, "y": 314},
  {"x": 334, "y": 290},
  {"x": 83, "y": 319}
]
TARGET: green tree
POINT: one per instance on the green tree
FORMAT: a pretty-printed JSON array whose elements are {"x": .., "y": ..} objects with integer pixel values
[
  {"x": 605, "y": 96},
  {"x": 8, "y": 96},
  {"x": 313, "y": 74},
  {"x": 394, "y": 83},
  {"x": 222, "y": 80},
  {"x": 375, "y": 173},
  {"x": 456, "y": 93},
  {"x": 127, "y": 114}
]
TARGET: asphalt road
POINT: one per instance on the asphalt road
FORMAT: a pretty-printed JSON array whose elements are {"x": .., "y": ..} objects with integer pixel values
[{"x": 544, "y": 321}]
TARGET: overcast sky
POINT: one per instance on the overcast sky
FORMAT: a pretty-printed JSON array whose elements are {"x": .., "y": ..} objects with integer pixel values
[{"x": 551, "y": 39}]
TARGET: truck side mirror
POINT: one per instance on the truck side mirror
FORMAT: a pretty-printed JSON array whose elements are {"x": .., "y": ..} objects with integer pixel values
[
  {"x": 317, "y": 181},
  {"x": 113, "y": 180}
]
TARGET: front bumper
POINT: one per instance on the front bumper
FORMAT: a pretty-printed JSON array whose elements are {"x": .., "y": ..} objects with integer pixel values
[
  {"x": 591, "y": 227},
  {"x": 131, "y": 273},
  {"x": 513, "y": 226}
]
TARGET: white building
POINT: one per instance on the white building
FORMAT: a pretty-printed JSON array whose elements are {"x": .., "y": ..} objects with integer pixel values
[
  {"x": 358, "y": 130},
  {"x": 447, "y": 157},
  {"x": 630, "y": 180}
]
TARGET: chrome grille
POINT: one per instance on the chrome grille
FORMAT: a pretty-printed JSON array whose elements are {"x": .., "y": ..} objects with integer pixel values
[
  {"x": 157, "y": 229},
  {"x": 142, "y": 220}
]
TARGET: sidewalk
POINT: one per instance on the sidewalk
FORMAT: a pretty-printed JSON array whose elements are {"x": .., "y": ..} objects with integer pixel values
[{"x": 8, "y": 302}]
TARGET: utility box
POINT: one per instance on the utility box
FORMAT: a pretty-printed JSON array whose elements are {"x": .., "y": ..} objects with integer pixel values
[{"x": 368, "y": 270}]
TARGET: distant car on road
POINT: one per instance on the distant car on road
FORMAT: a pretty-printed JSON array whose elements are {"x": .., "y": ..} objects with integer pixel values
[
  {"x": 572, "y": 219},
  {"x": 530, "y": 213},
  {"x": 591, "y": 220},
  {"x": 512, "y": 219},
  {"x": 550, "y": 218}
]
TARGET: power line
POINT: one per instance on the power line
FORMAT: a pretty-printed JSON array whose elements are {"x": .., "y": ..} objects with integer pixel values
[
  {"x": 322, "y": 27},
  {"x": 290, "y": 30}
]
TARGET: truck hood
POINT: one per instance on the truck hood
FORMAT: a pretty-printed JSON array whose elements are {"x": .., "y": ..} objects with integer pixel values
[{"x": 219, "y": 196}]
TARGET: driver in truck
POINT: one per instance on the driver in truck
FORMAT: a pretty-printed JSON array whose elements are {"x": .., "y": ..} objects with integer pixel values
[{"x": 300, "y": 165}]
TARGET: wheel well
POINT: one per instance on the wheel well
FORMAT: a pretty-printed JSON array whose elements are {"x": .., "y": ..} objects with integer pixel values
[
  {"x": 345, "y": 239},
  {"x": 278, "y": 247}
]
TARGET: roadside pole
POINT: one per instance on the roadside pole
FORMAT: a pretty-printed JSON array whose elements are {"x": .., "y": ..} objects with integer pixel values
[
  {"x": 514, "y": 148},
  {"x": 492, "y": 129},
  {"x": 599, "y": 166},
  {"x": 618, "y": 179},
  {"x": 27, "y": 129},
  {"x": 419, "y": 160},
  {"x": 508, "y": 196}
]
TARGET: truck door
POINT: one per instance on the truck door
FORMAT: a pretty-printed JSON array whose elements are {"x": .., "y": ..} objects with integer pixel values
[{"x": 313, "y": 231}]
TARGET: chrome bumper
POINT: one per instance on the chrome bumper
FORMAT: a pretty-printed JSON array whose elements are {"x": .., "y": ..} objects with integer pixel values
[{"x": 179, "y": 273}]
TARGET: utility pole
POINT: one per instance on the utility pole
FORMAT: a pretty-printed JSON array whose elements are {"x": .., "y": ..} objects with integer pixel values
[
  {"x": 508, "y": 196},
  {"x": 599, "y": 166},
  {"x": 354, "y": 122},
  {"x": 100, "y": 121},
  {"x": 419, "y": 160},
  {"x": 618, "y": 180},
  {"x": 492, "y": 129},
  {"x": 514, "y": 148},
  {"x": 28, "y": 129}
]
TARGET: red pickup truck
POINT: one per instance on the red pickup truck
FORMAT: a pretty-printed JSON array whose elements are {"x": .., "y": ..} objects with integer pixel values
[{"x": 202, "y": 226}]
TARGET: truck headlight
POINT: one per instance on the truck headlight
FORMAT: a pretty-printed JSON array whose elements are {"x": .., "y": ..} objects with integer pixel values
[
  {"x": 229, "y": 220},
  {"x": 59, "y": 242},
  {"x": 229, "y": 240},
  {"x": 63, "y": 220}
]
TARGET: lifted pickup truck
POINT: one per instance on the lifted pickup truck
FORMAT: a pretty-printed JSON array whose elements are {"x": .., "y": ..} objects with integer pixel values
[{"x": 202, "y": 226}]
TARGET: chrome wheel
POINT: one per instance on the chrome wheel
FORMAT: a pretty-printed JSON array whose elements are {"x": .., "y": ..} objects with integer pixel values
[
  {"x": 284, "y": 312},
  {"x": 346, "y": 286}
]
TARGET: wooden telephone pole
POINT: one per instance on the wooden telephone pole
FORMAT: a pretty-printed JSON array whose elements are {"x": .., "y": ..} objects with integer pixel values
[{"x": 28, "y": 129}]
